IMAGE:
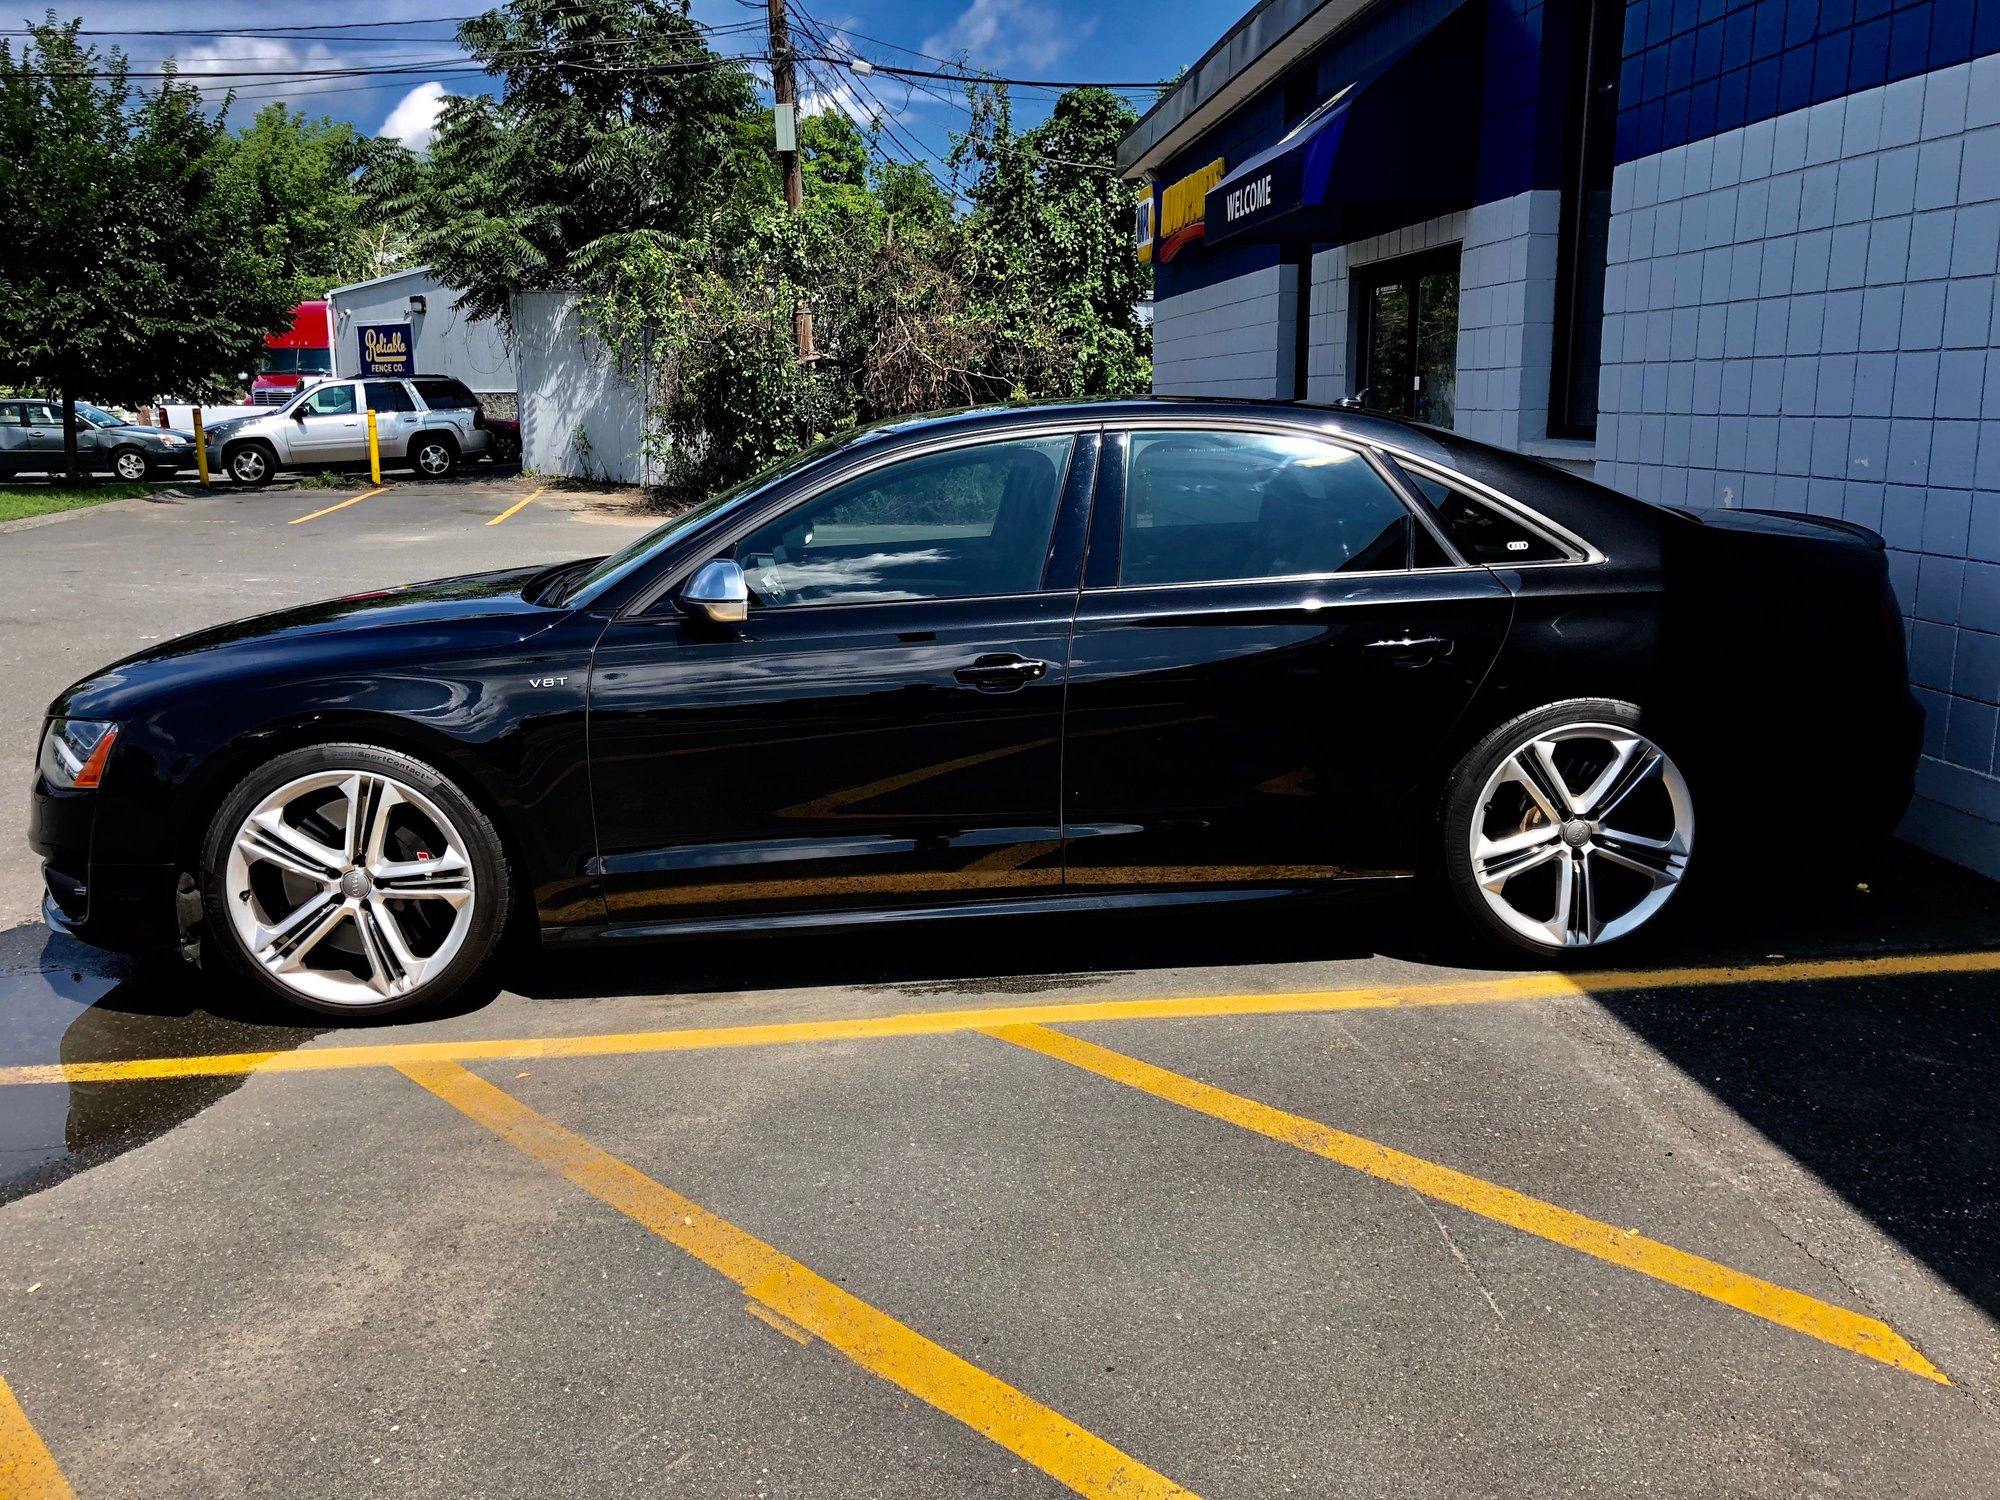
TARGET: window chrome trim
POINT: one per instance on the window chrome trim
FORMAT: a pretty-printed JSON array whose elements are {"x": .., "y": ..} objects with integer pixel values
[
  {"x": 1581, "y": 551},
  {"x": 646, "y": 599}
]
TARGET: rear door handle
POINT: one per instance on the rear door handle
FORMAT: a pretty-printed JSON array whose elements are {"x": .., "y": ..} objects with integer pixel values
[
  {"x": 1001, "y": 673},
  {"x": 1411, "y": 648}
]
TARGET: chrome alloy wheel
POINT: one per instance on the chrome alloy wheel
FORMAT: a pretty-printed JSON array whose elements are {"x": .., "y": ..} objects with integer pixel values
[
  {"x": 1581, "y": 835},
  {"x": 249, "y": 465},
  {"x": 434, "y": 459},
  {"x": 130, "y": 465},
  {"x": 350, "y": 887}
]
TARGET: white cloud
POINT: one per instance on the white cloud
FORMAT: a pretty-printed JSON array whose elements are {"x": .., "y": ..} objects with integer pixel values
[
  {"x": 414, "y": 119},
  {"x": 996, "y": 35},
  {"x": 256, "y": 55}
]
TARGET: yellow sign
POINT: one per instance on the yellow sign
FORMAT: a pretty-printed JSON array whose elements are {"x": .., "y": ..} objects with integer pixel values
[{"x": 1181, "y": 207}]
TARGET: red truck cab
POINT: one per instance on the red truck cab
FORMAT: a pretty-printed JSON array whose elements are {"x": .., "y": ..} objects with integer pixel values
[{"x": 295, "y": 358}]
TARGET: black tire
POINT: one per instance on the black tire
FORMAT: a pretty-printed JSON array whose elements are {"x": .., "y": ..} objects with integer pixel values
[
  {"x": 433, "y": 455},
  {"x": 252, "y": 465},
  {"x": 1661, "y": 805},
  {"x": 505, "y": 450},
  {"x": 491, "y": 875},
  {"x": 129, "y": 457}
]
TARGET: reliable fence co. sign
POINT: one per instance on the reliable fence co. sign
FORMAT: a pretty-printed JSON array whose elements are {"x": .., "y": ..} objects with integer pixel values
[{"x": 385, "y": 349}]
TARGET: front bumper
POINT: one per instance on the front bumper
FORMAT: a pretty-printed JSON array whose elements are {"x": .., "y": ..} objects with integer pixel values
[
  {"x": 125, "y": 908},
  {"x": 128, "y": 907}
]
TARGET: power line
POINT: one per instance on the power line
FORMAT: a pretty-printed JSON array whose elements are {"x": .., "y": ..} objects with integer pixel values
[{"x": 272, "y": 30}]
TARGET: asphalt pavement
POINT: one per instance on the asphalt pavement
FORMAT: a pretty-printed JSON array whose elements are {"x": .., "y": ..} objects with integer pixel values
[{"x": 1233, "y": 1204}]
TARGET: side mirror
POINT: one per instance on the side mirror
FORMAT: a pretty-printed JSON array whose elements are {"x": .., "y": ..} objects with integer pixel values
[
  {"x": 298, "y": 414},
  {"x": 718, "y": 593}
]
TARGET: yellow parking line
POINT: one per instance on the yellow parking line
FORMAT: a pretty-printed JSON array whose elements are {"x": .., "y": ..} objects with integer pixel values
[
  {"x": 1838, "y": 1326},
  {"x": 521, "y": 504},
  {"x": 27, "y": 1469},
  {"x": 371, "y": 494},
  {"x": 770, "y": 1278},
  {"x": 942, "y": 1022}
]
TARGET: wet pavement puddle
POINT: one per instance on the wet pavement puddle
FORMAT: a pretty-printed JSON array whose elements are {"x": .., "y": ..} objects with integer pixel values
[{"x": 63, "y": 1002}]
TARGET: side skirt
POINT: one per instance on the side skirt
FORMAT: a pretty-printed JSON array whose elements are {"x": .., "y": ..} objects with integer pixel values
[{"x": 1022, "y": 906}]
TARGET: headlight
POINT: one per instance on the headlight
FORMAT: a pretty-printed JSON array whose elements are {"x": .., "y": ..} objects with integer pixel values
[
  {"x": 74, "y": 752},
  {"x": 173, "y": 440}
]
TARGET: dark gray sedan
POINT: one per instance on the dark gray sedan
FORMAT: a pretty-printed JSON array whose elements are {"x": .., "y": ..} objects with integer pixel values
[{"x": 31, "y": 442}]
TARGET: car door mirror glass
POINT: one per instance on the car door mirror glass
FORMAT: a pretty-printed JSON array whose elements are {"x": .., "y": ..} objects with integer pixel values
[{"x": 718, "y": 593}]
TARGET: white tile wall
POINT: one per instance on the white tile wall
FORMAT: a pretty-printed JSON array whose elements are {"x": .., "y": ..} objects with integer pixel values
[
  {"x": 1232, "y": 338},
  {"x": 1815, "y": 331}
]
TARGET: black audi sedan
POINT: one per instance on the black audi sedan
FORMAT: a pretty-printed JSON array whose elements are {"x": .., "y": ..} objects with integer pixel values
[{"x": 1095, "y": 655}]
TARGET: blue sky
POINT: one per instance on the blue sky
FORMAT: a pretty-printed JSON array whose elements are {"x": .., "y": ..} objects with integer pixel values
[{"x": 1116, "y": 40}]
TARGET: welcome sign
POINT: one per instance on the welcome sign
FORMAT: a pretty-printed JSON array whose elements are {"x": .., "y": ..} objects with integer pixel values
[{"x": 385, "y": 349}]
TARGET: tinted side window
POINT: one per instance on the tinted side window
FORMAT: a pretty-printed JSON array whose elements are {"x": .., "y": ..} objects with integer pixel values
[
  {"x": 447, "y": 395},
  {"x": 389, "y": 395},
  {"x": 1207, "y": 507},
  {"x": 330, "y": 401},
  {"x": 942, "y": 526},
  {"x": 1481, "y": 533},
  {"x": 40, "y": 414},
  {"x": 10, "y": 413}
]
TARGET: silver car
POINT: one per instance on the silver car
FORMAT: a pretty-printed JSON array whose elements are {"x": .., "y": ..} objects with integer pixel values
[
  {"x": 31, "y": 442},
  {"x": 428, "y": 422}
]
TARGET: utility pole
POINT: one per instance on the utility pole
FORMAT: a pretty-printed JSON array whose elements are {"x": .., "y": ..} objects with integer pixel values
[{"x": 784, "y": 90}]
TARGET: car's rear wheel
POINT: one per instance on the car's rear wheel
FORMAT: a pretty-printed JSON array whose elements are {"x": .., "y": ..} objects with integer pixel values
[
  {"x": 250, "y": 463},
  {"x": 130, "y": 464},
  {"x": 434, "y": 457},
  {"x": 353, "y": 880},
  {"x": 1568, "y": 828}
]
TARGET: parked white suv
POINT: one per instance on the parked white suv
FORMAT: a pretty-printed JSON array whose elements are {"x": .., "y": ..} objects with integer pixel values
[{"x": 429, "y": 422}]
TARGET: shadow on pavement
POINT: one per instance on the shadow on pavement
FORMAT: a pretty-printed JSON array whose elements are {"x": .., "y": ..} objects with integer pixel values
[{"x": 1887, "y": 1089}]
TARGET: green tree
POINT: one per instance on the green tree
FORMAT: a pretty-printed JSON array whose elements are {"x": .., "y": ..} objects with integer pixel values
[
  {"x": 297, "y": 177},
  {"x": 126, "y": 267},
  {"x": 1050, "y": 237},
  {"x": 615, "y": 125}
]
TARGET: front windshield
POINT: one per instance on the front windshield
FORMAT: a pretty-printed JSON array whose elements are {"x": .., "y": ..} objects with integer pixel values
[
  {"x": 668, "y": 532},
  {"x": 97, "y": 416}
]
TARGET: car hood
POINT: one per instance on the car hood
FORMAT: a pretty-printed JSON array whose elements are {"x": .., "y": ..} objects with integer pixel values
[{"x": 381, "y": 627}]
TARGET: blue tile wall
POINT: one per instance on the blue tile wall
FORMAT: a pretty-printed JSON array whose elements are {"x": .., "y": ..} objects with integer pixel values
[{"x": 1693, "y": 70}]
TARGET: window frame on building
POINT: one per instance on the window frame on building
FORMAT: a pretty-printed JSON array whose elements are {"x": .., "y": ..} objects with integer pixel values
[{"x": 1363, "y": 282}]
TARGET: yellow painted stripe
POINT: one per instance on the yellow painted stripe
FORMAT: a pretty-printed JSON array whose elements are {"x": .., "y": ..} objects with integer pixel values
[
  {"x": 871, "y": 1338},
  {"x": 27, "y": 1469},
  {"x": 368, "y": 495},
  {"x": 1621, "y": 1247},
  {"x": 521, "y": 504},
  {"x": 1508, "y": 988}
]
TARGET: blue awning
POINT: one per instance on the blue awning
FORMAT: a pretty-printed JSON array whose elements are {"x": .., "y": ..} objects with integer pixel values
[{"x": 1398, "y": 145}]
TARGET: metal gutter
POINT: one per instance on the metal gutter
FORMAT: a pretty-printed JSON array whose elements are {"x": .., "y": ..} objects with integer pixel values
[{"x": 1251, "y": 54}]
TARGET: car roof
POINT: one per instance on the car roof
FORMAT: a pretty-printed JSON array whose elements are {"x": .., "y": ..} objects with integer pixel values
[{"x": 1561, "y": 494}]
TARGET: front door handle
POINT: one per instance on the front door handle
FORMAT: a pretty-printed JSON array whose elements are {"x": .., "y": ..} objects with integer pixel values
[
  {"x": 1411, "y": 648},
  {"x": 1001, "y": 674}
]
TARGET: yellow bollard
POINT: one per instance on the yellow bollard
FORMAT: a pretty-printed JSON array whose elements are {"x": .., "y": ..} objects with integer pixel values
[
  {"x": 374, "y": 451},
  {"x": 200, "y": 447}
]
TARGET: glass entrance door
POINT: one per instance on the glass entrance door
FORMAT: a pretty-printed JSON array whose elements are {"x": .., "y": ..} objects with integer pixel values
[{"x": 1409, "y": 337}]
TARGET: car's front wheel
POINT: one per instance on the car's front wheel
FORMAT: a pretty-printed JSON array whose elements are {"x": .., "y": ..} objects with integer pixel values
[
  {"x": 353, "y": 880},
  {"x": 130, "y": 465},
  {"x": 1567, "y": 828},
  {"x": 251, "y": 464}
]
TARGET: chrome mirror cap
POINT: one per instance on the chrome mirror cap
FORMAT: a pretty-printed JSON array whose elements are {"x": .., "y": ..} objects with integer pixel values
[{"x": 718, "y": 593}]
